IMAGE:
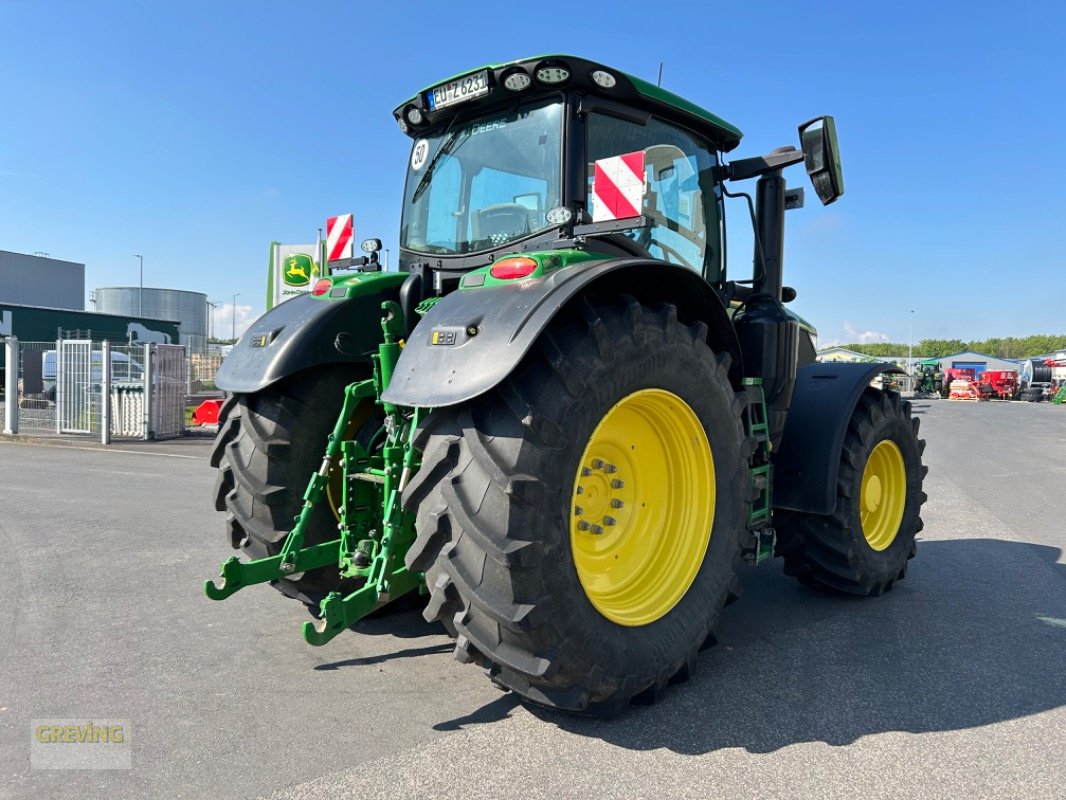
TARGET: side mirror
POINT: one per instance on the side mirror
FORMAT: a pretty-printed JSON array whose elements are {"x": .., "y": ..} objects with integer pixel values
[{"x": 818, "y": 138}]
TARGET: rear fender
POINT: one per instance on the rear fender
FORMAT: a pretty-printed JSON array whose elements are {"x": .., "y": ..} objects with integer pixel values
[
  {"x": 473, "y": 339},
  {"x": 311, "y": 331},
  {"x": 808, "y": 460}
]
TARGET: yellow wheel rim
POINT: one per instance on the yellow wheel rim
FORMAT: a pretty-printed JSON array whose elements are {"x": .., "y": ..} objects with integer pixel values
[
  {"x": 642, "y": 507},
  {"x": 883, "y": 496}
]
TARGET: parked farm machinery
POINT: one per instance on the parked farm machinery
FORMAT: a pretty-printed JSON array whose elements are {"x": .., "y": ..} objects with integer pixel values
[{"x": 1037, "y": 379}]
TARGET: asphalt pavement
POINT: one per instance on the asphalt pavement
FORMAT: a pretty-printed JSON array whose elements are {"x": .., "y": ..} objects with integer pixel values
[{"x": 953, "y": 685}]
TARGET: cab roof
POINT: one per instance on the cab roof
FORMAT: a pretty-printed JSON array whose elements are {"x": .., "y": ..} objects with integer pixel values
[{"x": 628, "y": 90}]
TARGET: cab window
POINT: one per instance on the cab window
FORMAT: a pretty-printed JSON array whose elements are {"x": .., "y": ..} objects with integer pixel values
[
  {"x": 679, "y": 196},
  {"x": 477, "y": 186}
]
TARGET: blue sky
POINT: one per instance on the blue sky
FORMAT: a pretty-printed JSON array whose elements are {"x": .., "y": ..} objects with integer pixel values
[{"x": 196, "y": 132}]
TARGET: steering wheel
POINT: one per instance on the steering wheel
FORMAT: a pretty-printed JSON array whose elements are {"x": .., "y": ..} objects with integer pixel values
[{"x": 509, "y": 219}]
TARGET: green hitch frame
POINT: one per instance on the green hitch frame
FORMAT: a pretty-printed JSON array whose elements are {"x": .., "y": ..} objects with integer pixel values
[
  {"x": 375, "y": 530},
  {"x": 386, "y": 576}
]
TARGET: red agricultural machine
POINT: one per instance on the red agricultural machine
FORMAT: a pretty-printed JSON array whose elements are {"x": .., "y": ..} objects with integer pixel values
[
  {"x": 960, "y": 384},
  {"x": 963, "y": 384},
  {"x": 998, "y": 384}
]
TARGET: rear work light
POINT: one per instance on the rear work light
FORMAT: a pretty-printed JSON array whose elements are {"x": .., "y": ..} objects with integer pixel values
[
  {"x": 321, "y": 287},
  {"x": 552, "y": 74},
  {"x": 517, "y": 81},
  {"x": 604, "y": 80},
  {"x": 509, "y": 269},
  {"x": 414, "y": 116}
]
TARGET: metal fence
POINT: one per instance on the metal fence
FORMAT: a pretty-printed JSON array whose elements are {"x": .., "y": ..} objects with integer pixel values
[
  {"x": 168, "y": 395},
  {"x": 34, "y": 396},
  {"x": 77, "y": 410},
  {"x": 202, "y": 369},
  {"x": 78, "y": 387}
]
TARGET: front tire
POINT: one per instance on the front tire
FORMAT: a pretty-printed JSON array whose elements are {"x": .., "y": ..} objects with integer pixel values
[
  {"x": 863, "y": 547},
  {"x": 515, "y": 484}
]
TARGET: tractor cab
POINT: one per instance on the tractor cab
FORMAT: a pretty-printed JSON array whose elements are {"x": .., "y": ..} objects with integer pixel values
[
  {"x": 519, "y": 156},
  {"x": 555, "y": 152}
]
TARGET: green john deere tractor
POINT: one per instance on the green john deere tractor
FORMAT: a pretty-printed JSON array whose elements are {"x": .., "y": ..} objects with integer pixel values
[
  {"x": 929, "y": 379},
  {"x": 561, "y": 420}
]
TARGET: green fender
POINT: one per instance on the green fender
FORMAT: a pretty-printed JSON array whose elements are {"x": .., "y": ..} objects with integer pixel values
[
  {"x": 473, "y": 339},
  {"x": 340, "y": 327},
  {"x": 808, "y": 461}
]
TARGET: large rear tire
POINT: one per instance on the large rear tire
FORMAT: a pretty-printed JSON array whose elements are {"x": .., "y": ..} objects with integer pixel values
[
  {"x": 863, "y": 547},
  {"x": 268, "y": 444},
  {"x": 578, "y": 525}
]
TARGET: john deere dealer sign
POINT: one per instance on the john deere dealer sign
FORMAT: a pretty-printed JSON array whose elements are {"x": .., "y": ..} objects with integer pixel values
[{"x": 294, "y": 268}]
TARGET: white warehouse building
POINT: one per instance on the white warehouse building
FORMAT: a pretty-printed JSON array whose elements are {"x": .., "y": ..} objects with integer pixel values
[{"x": 37, "y": 280}]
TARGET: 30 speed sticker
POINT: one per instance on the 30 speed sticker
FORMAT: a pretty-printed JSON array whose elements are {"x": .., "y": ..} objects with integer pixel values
[{"x": 418, "y": 155}]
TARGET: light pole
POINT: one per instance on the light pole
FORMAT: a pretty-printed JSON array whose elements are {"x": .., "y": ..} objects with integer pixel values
[
  {"x": 210, "y": 319},
  {"x": 386, "y": 259},
  {"x": 233, "y": 331},
  {"x": 910, "y": 345},
  {"x": 140, "y": 291}
]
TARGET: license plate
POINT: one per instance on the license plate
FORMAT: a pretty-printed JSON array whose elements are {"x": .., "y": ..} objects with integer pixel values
[{"x": 466, "y": 88}]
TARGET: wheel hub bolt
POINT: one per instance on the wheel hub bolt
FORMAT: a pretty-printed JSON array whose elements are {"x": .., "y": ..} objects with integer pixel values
[
  {"x": 609, "y": 521},
  {"x": 578, "y": 511},
  {"x": 597, "y": 463},
  {"x": 617, "y": 484},
  {"x": 610, "y": 469},
  {"x": 616, "y": 503},
  {"x": 596, "y": 529},
  {"x": 582, "y": 525},
  {"x": 585, "y": 472}
]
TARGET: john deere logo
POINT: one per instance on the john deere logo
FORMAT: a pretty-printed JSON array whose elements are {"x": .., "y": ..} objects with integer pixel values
[{"x": 298, "y": 269}]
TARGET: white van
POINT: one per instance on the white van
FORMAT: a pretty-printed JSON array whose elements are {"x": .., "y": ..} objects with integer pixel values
[{"x": 124, "y": 370}]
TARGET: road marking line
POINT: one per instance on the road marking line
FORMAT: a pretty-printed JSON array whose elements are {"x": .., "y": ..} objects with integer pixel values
[{"x": 108, "y": 450}]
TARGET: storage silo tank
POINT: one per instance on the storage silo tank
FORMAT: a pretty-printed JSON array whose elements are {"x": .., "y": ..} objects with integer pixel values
[{"x": 188, "y": 308}]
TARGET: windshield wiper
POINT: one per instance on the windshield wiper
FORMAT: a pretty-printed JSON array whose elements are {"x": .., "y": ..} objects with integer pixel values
[{"x": 446, "y": 147}]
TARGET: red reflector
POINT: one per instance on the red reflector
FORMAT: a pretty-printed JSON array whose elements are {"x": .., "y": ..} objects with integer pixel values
[
  {"x": 510, "y": 268},
  {"x": 322, "y": 286}
]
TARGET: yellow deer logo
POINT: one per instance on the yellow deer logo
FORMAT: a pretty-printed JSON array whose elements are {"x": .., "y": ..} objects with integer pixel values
[{"x": 298, "y": 269}]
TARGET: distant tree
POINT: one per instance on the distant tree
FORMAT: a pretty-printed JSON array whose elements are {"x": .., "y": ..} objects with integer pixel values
[
  {"x": 878, "y": 349},
  {"x": 1009, "y": 347},
  {"x": 937, "y": 348}
]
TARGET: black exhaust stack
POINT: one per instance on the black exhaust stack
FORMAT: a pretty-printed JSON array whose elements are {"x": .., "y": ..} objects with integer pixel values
[{"x": 769, "y": 338}]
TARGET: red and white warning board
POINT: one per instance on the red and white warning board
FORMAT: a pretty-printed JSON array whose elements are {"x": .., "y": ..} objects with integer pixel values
[
  {"x": 339, "y": 237},
  {"x": 618, "y": 187}
]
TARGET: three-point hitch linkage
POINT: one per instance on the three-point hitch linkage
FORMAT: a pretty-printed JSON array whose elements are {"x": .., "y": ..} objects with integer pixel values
[{"x": 375, "y": 531}]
